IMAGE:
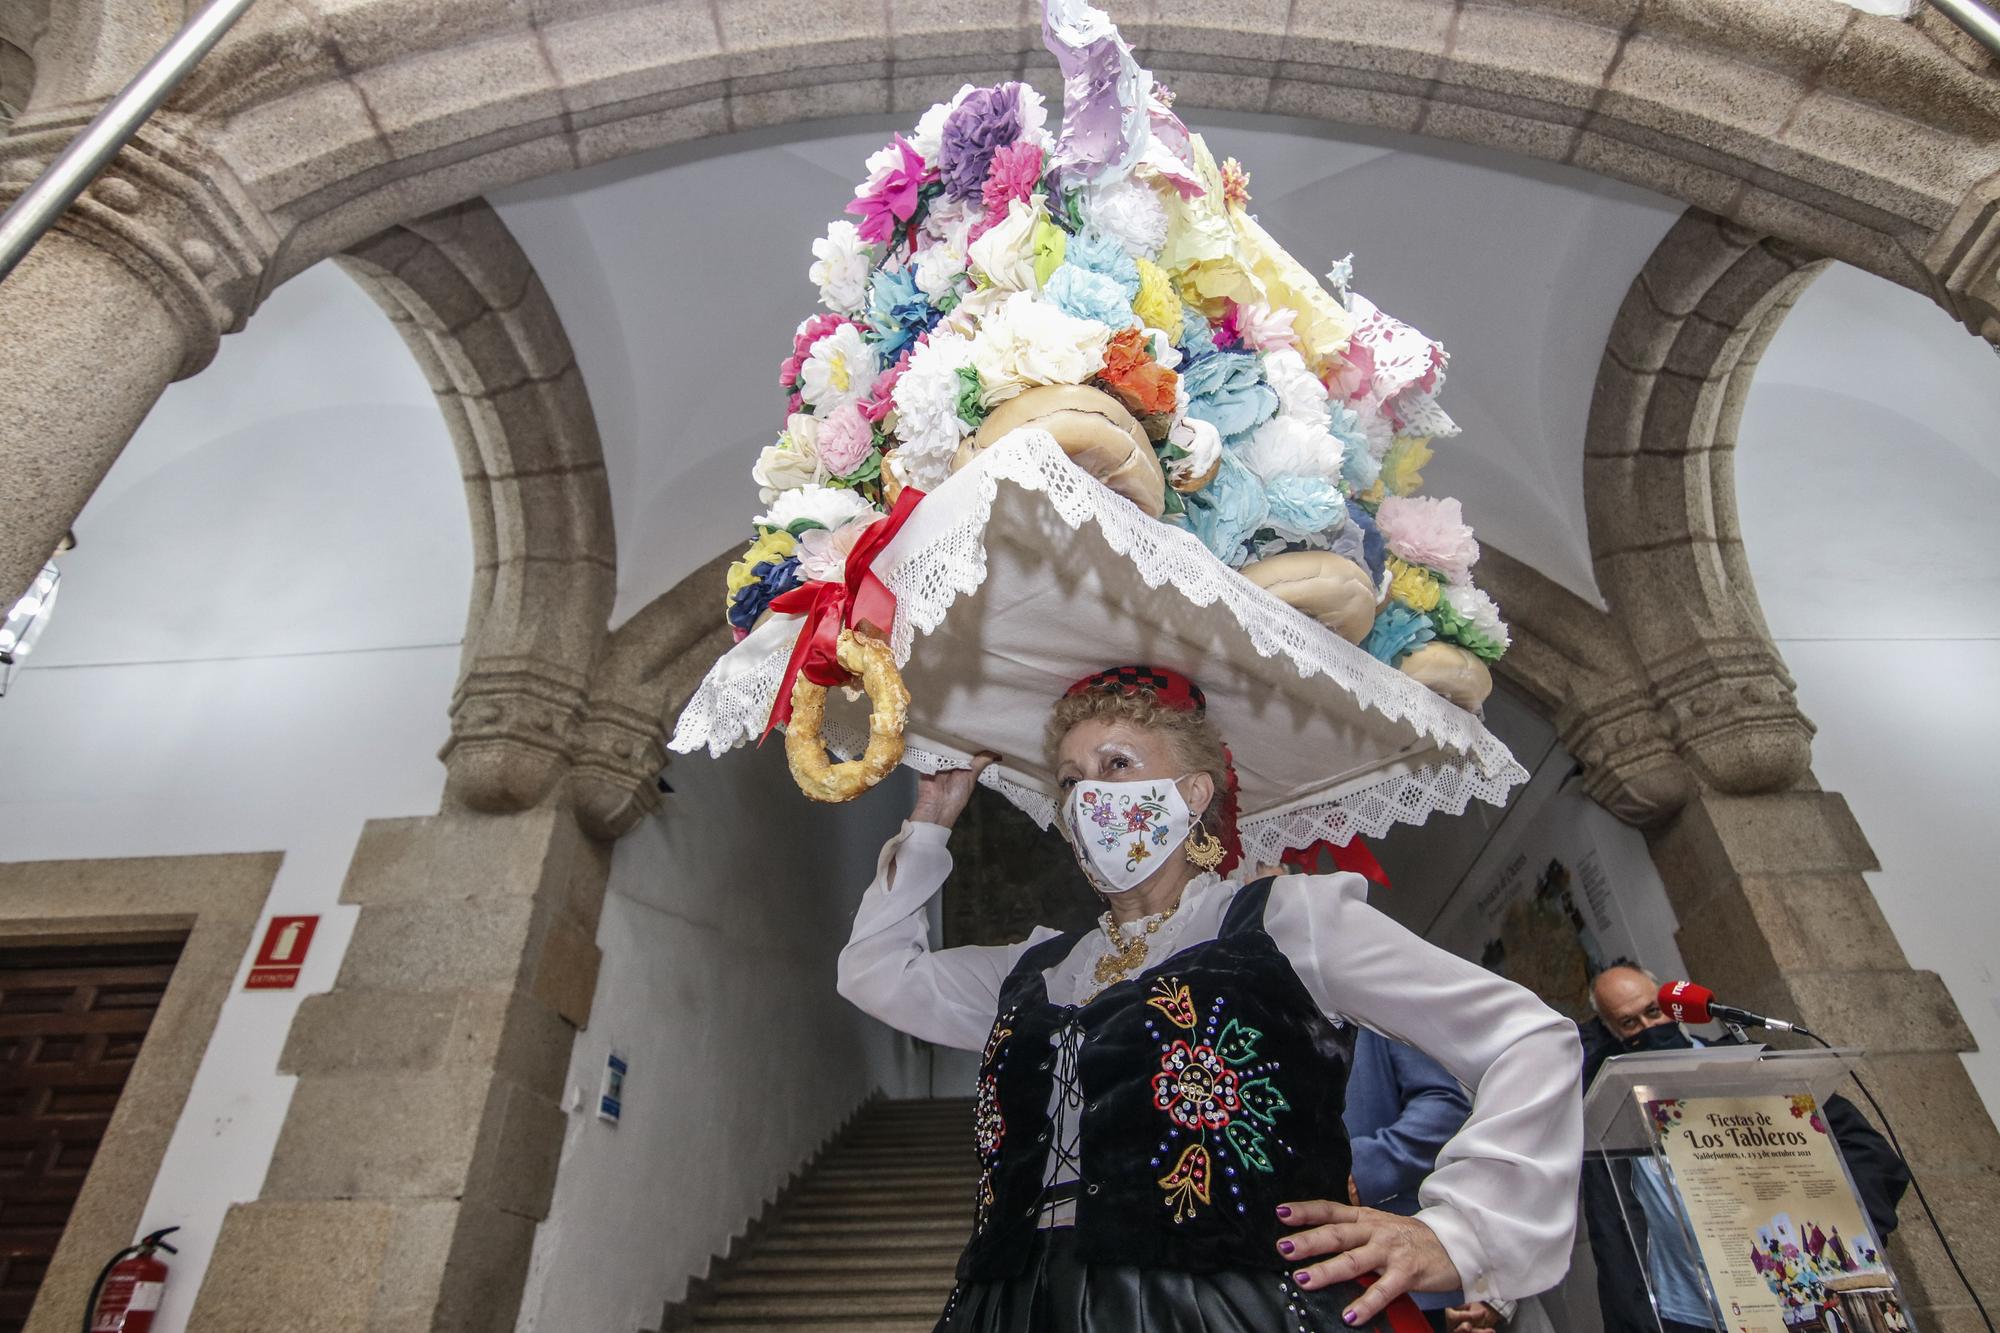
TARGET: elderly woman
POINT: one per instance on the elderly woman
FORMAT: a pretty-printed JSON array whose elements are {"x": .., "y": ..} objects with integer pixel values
[{"x": 1159, "y": 1101}]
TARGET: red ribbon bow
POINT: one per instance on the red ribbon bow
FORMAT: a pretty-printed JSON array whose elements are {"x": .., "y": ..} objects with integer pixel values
[
  {"x": 1355, "y": 857},
  {"x": 860, "y": 601}
]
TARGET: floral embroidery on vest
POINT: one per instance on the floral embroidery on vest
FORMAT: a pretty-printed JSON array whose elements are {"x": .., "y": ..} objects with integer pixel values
[
  {"x": 989, "y": 1127},
  {"x": 1212, "y": 1085}
]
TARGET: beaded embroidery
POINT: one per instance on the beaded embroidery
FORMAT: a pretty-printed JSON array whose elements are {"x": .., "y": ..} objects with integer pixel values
[
  {"x": 1214, "y": 1087},
  {"x": 989, "y": 1127}
]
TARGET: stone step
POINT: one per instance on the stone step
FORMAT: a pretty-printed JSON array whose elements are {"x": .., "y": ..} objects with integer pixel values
[
  {"x": 861, "y": 1323},
  {"x": 819, "y": 1306},
  {"x": 933, "y": 1280},
  {"x": 914, "y": 1210},
  {"x": 942, "y": 1258},
  {"x": 878, "y": 1241},
  {"x": 868, "y": 1231}
]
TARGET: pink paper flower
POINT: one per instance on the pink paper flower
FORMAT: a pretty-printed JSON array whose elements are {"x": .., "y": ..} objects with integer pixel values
[
  {"x": 808, "y": 333},
  {"x": 1348, "y": 378},
  {"x": 1259, "y": 327},
  {"x": 1015, "y": 172},
  {"x": 845, "y": 437},
  {"x": 1425, "y": 530},
  {"x": 880, "y": 403},
  {"x": 889, "y": 198}
]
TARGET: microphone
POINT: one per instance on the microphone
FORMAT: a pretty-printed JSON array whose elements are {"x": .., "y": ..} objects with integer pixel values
[{"x": 1686, "y": 1002}]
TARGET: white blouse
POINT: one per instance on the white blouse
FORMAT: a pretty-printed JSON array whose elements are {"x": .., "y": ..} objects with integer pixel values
[{"x": 1503, "y": 1197}]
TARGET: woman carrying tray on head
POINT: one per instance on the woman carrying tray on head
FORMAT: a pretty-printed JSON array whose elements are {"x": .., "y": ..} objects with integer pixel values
[{"x": 1159, "y": 1099}]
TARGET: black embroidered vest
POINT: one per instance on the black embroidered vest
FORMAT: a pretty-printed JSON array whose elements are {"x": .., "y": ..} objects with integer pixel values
[{"x": 1212, "y": 1090}]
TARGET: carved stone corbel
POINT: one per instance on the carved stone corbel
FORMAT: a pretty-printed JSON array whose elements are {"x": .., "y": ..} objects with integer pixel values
[{"x": 1966, "y": 261}]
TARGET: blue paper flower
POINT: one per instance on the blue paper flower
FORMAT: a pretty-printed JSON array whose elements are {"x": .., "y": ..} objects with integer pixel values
[
  {"x": 1374, "y": 549},
  {"x": 1397, "y": 632},
  {"x": 1227, "y": 390},
  {"x": 1197, "y": 338},
  {"x": 773, "y": 579},
  {"x": 1360, "y": 467},
  {"x": 897, "y": 311},
  {"x": 1092, "y": 249},
  {"x": 1087, "y": 295},
  {"x": 1226, "y": 511},
  {"x": 1301, "y": 507}
]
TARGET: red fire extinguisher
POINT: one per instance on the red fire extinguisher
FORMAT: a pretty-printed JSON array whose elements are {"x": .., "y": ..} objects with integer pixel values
[{"x": 129, "y": 1289}]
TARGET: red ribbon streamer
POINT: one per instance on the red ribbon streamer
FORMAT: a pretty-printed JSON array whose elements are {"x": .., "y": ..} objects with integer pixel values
[
  {"x": 1354, "y": 857},
  {"x": 1403, "y": 1314},
  {"x": 860, "y": 601}
]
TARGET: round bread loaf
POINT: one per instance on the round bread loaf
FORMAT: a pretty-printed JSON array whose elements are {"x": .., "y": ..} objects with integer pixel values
[
  {"x": 1330, "y": 588},
  {"x": 1093, "y": 428},
  {"x": 1451, "y": 671}
]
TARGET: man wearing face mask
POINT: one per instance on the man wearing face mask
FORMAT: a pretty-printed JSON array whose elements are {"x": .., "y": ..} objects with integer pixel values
[
  {"x": 1626, "y": 1000},
  {"x": 1159, "y": 1105}
]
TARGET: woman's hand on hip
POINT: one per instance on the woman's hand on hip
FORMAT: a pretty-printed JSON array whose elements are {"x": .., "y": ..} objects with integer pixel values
[
  {"x": 1404, "y": 1253},
  {"x": 942, "y": 796}
]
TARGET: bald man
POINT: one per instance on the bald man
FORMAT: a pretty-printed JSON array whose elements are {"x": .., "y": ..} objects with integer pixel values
[{"x": 1626, "y": 1000}]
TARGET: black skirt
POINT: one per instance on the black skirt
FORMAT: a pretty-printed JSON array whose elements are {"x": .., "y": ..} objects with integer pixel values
[{"x": 1057, "y": 1293}]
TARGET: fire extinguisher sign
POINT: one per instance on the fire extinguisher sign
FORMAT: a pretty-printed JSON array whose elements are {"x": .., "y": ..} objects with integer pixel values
[{"x": 283, "y": 953}]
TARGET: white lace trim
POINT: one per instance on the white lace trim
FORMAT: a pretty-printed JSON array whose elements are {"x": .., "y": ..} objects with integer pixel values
[{"x": 734, "y": 700}]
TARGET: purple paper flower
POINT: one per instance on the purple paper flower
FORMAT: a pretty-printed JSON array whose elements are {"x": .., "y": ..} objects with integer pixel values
[{"x": 986, "y": 121}]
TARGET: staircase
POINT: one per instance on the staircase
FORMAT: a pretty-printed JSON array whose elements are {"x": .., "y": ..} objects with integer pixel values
[{"x": 864, "y": 1238}]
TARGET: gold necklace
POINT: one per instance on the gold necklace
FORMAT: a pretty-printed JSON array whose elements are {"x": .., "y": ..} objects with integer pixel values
[{"x": 1127, "y": 952}]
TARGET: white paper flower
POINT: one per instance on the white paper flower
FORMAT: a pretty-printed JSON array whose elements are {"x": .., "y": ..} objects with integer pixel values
[
  {"x": 823, "y": 552},
  {"x": 1131, "y": 211},
  {"x": 1029, "y": 341},
  {"x": 1301, "y": 397},
  {"x": 927, "y": 420},
  {"x": 1287, "y": 447},
  {"x": 946, "y": 251},
  {"x": 840, "y": 369},
  {"x": 1203, "y": 444},
  {"x": 790, "y": 463},
  {"x": 1035, "y": 119},
  {"x": 841, "y": 261},
  {"x": 1006, "y": 254},
  {"x": 1480, "y": 609},
  {"x": 828, "y": 506}
]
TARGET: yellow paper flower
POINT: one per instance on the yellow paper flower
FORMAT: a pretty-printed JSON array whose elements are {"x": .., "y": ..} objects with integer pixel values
[
  {"x": 772, "y": 546},
  {"x": 1373, "y": 495},
  {"x": 1158, "y": 305},
  {"x": 1413, "y": 586},
  {"x": 1323, "y": 325},
  {"x": 1051, "y": 244},
  {"x": 1209, "y": 285},
  {"x": 1402, "y": 470}
]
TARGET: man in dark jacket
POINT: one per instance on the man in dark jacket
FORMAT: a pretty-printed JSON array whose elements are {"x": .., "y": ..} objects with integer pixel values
[
  {"x": 1629, "y": 1019},
  {"x": 1401, "y": 1108}
]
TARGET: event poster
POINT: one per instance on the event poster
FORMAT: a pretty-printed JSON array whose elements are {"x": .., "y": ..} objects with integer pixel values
[{"x": 1782, "y": 1235}]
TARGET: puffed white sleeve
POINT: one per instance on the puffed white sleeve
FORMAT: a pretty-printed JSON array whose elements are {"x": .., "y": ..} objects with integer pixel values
[
  {"x": 888, "y": 969},
  {"x": 1503, "y": 1196}
]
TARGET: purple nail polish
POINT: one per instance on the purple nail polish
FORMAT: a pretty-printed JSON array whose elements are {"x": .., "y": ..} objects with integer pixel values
[
  {"x": 1347, "y": 1317},
  {"x": 1283, "y": 1211},
  {"x": 1284, "y": 1247},
  {"x": 1303, "y": 1278}
]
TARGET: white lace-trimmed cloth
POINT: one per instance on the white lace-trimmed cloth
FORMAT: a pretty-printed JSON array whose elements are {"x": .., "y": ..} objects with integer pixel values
[{"x": 1023, "y": 574}]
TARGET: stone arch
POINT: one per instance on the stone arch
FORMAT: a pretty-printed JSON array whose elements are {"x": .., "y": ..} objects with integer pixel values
[
  {"x": 472, "y": 310},
  {"x": 1858, "y": 136},
  {"x": 1659, "y": 494}
]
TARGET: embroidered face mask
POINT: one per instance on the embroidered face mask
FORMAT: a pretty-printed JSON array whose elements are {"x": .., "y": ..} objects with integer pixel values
[{"x": 1123, "y": 831}]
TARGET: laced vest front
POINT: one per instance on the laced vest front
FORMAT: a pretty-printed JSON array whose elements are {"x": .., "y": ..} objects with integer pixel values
[{"x": 1209, "y": 1090}]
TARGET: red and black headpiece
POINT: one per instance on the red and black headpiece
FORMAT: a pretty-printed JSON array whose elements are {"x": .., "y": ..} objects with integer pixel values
[{"x": 1173, "y": 690}]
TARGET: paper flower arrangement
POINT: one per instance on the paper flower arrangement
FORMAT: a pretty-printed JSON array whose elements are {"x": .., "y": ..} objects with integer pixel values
[{"x": 989, "y": 255}]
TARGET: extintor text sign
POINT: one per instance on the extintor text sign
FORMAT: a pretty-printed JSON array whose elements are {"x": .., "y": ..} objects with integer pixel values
[{"x": 283, "y": 954}]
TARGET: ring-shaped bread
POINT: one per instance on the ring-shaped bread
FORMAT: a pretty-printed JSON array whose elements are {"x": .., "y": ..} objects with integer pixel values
[{"x": 889, "y": 705}]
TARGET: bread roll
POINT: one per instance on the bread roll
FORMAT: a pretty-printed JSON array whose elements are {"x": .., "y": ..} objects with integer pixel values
[
  {"x": 1451, "y": 671},
  {"x": 1330, "y": 588},
  {"x": 1093, "y": 428}
]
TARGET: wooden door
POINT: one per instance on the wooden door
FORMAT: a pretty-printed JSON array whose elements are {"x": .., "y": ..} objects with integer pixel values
[{"x": 71, "y": 1020}]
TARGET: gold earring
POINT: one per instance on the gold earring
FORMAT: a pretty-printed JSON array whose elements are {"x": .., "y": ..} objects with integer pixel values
[{"x": 1203, "y": 848}]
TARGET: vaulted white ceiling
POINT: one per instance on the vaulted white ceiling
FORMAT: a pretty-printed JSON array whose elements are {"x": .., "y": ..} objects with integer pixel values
[{"x": 680, "y": 275}]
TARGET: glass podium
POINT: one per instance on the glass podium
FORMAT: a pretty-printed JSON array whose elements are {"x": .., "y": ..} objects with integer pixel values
[{"x": 1734, "y": 1194}]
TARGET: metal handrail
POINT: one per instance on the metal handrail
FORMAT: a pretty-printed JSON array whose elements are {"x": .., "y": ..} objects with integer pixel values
[
  {"x": 1979, "y": 22},
  {"x": 110, "y": 130}
]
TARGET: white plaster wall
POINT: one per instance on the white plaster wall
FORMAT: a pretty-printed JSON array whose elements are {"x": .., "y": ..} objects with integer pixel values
[
  {"x": 724, "y": 915},
  {"x": 1868, "y": 475},
  {"x": 254, "y": 648}
]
